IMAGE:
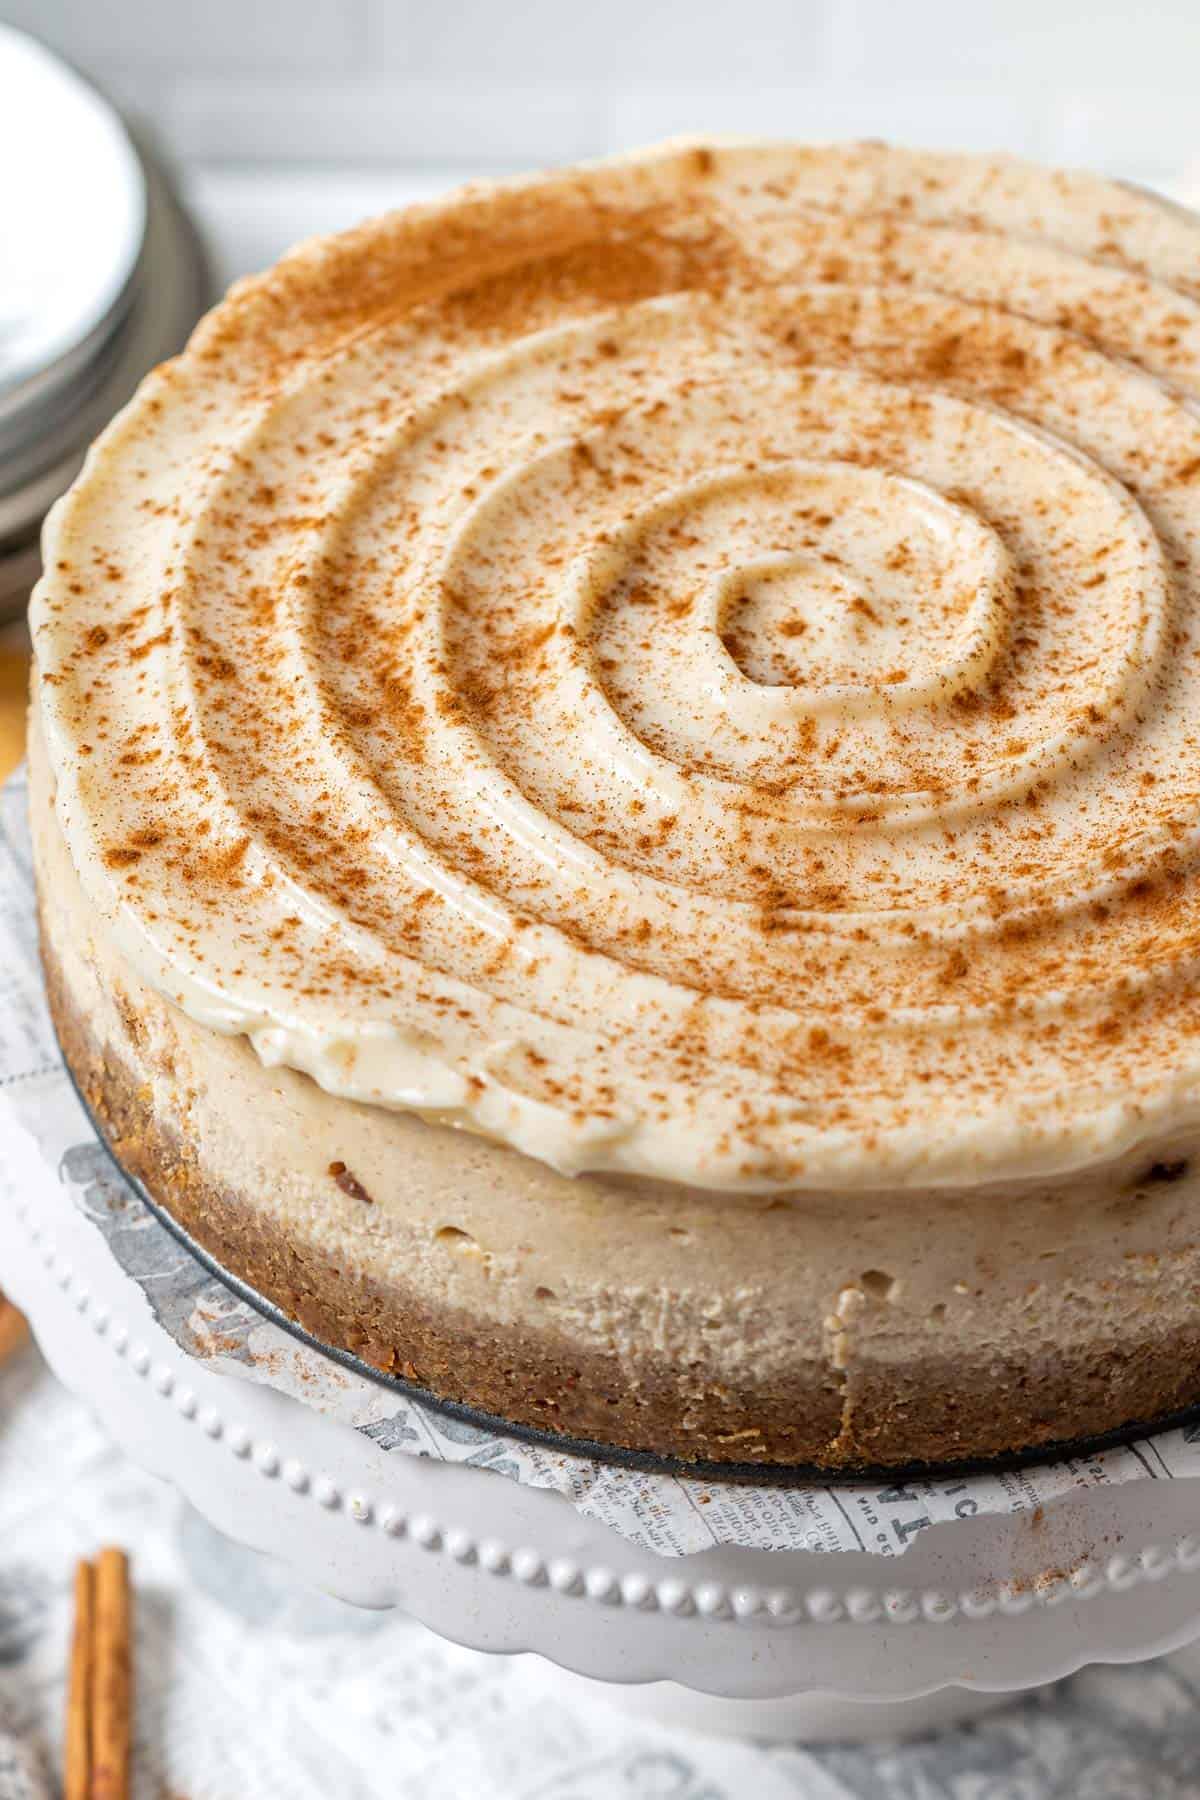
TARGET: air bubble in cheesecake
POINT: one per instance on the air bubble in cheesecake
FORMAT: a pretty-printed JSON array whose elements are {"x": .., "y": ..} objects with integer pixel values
[
  {"x": 1173, "y": 1170},
  {"x": 349, "y": 1183},
  {"x": 454, "y": 1238}
]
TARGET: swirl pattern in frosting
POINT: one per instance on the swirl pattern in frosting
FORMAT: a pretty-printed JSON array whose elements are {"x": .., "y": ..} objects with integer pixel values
[{"x": 689, "y": 666}]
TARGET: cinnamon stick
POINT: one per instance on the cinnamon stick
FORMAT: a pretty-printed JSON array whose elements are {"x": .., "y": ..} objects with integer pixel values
[
  {"x": 77, "y": 1772},
  {"x": 111, "y": 1686},
  {"x": 13, "y": 1330}
]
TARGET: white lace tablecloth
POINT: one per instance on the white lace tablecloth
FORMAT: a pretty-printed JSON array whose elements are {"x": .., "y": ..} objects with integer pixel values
[{"x": 250, "y": 1686}]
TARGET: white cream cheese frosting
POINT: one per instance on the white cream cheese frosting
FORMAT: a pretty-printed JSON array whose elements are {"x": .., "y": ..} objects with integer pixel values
[{"x": 690, "y": 666}]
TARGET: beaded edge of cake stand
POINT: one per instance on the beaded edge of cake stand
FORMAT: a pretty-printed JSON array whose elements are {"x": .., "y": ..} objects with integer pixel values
[{"x": 744, "y": 1603}]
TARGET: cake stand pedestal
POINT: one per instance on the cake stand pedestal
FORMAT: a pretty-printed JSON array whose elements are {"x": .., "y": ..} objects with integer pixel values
[{"x": 790, "y": 1644}]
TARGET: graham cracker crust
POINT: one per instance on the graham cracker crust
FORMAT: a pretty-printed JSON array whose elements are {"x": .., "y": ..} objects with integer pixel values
[{"x": 868, "y": 1416}]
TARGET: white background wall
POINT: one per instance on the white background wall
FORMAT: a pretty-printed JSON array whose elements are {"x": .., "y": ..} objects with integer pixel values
[{"x": 473, "y": 83}]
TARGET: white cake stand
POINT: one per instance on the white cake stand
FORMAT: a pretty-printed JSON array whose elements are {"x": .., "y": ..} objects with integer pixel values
[{"x": 773, "y": 1644}]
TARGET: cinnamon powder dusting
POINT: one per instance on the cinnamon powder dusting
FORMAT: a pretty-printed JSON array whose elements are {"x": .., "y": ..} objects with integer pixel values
[{"x": 686, "y": 665}]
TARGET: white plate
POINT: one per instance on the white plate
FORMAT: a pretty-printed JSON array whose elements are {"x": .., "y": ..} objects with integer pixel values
[
  {"x": 47, "y": 422},
  {"x": 72, "y": 210}
]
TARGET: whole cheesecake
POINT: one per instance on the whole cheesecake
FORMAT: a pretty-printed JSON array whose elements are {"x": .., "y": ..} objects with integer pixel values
[{"x": 616, "y": 780}]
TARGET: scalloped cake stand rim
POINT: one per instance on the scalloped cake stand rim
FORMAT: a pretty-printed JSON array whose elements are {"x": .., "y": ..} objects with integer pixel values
[{"x": 1108, "y": 1574}]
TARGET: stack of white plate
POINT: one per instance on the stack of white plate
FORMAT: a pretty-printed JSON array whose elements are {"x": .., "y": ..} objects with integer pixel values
[{"x": 100, "y": 278}]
